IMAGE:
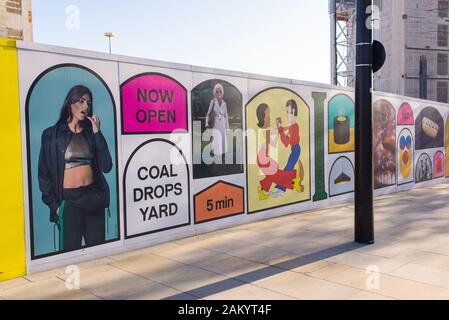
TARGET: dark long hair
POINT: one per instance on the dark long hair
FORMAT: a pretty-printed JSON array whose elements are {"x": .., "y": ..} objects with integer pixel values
[
  {"x": 74, "y": 95},
  {"x": 261, "y": 114},
  {"x": 294, "y": 106}
]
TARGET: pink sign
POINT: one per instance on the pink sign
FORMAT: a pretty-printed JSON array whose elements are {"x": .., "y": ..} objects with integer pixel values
[
  {"x": 153, "y": 103},
  {"x": 405, "y": 116},
  {"x": 438, "y": 165}
]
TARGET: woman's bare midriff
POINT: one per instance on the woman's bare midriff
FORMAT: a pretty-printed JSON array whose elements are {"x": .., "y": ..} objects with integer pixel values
[{"x": 78, "y": 177}]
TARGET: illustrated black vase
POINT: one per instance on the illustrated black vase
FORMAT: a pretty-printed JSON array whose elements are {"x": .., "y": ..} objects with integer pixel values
[{"x": 342, "y": 133}]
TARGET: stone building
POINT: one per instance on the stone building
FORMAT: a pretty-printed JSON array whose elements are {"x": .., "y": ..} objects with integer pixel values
[
  {"x": 415, "y": 34},
  {"x": 16, "y": 19}
]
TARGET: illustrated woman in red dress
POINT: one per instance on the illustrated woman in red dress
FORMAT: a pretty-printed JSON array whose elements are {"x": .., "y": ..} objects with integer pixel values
[{"x": 268, "y": 166}]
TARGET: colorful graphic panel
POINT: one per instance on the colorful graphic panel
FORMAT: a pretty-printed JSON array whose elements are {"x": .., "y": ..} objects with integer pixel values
[
  {"x": 446, "y": 142},
  {"x": 341, "y": 178},
  {"x": 438, "y": 165},
  {"x": 61, "y": 105},
  {"x": 405, "y": 157},
  {"x": 156, "y": 189},
  {"x": 12, "y": 240},
  {"x": 153, "y": 103},
  {"x": 217, "y": 124},
  {"x": 278, "y": 150},
  {"x": 405, "y": 115},
  {"x": 423, "y": 168},
  {"x": 429, "y": 129},
  {"x": 218, "y": 201},
  {"x": 384, "y": 144},
  {"x": 320, "y": 158},
  {"x": 341, "y": 124}
]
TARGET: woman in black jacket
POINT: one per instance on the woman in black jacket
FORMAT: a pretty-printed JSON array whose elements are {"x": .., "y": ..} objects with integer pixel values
[{"x": 73, "y": 157}]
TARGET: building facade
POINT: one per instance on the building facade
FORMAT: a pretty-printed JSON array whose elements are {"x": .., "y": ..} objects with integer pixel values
[
  {"x": 16, "y": 19},
  {"x": 415, "y": 34}
]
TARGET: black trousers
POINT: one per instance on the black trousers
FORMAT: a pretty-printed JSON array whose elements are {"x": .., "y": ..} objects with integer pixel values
[{"x": 79, "y": 221}]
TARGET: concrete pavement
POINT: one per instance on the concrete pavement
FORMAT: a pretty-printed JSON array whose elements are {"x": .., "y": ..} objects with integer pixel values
[{"x": 303, "y": 256}]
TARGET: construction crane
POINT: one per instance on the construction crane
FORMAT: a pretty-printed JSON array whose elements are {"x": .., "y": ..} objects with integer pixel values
[{"x": 343, "y": 30}]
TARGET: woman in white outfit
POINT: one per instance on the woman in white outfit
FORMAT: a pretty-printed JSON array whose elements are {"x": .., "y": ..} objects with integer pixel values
[{"x": 218, "y": 113}]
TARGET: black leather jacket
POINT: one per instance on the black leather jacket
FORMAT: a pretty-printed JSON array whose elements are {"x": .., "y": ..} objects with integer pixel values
[{"x": 55, "y": 141}]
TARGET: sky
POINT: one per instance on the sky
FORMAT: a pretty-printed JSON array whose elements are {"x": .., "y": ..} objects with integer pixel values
[{"x": 288, "y": 38}]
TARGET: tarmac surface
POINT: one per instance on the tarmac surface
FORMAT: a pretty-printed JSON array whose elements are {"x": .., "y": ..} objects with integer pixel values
[{"x": 308, "y": 256}]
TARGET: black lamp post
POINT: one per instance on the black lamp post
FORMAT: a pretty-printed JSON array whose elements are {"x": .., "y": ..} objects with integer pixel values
[{"x": 364, "y": 191}]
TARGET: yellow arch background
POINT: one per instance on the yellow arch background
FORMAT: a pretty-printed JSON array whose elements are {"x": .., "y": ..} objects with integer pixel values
[
  {"x": 12, "y": 226},
  {"x": 276, "y": 98}
]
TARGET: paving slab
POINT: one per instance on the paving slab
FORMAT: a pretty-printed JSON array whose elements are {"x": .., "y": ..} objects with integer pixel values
[
  {"x": 425, "y": 258},
  {"x": 383, "y": 249},
  {"x": 187, "y": 278},
  {"x": 389, "y": 286},
  {"x": 306, "y": 288},
  {"x": 310, "y": 255},
  {"x": 111, "y": 283},
  {"x": 13, "y": 283},
  {"x": 61, "y": 272},
  {"x": 156, "y": 291},
  {"x": 238, "y": 268},
  {"x": 249, "y": 292},
  {"x": 363, "y": 261},
  {"x": 148, "y": 265},
  {"x": 257, "y": 253},
  {"x": 363, "y": 295},
  {"x": 49, "y": 289},
  {"x": 423, "y": 274}
]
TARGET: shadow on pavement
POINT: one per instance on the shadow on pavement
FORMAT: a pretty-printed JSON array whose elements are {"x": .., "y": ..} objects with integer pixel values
[{"x": 268, "y": 271}]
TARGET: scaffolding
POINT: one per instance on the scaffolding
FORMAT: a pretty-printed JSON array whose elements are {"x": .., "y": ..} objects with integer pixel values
[{"x": 343, "y": 22}]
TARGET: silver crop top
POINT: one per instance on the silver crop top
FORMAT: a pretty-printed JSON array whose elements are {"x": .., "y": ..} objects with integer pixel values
[{"x": 78, "y": 152}]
